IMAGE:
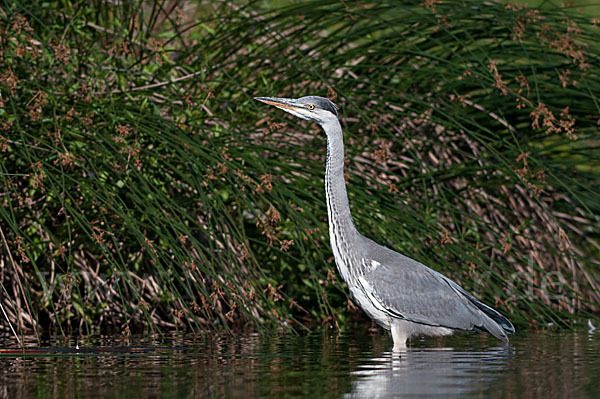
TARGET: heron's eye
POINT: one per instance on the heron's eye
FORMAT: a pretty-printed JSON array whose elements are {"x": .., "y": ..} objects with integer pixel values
[{"x": 311, "y": 107}]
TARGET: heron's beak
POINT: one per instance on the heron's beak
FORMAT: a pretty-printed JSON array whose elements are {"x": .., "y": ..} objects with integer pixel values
[{"x": 283, "y": 103}]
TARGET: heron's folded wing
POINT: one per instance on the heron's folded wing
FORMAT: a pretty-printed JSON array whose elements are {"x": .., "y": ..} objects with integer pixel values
[{"x": 412, "y": 291}]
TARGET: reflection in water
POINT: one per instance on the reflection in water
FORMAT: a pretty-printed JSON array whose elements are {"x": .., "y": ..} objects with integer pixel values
[
  {"x": 315, "y": 366},
  {"x": 429, "y": 372}
]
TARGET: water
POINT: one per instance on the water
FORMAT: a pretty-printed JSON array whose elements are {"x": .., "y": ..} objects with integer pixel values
[{"x": 358, "y": 365}]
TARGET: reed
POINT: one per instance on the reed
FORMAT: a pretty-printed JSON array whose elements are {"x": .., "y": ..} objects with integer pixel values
[{"x": 142, "y": 188}]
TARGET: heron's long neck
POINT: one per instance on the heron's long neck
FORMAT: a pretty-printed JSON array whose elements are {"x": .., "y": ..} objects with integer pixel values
[{"x": 342, "y": 232}]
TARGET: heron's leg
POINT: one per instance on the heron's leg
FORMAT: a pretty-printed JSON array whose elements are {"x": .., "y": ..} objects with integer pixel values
[{"x": 400, "y": 334}]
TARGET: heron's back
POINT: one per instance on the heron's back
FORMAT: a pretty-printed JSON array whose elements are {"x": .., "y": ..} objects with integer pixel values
[{"x": 408, "y": 290}]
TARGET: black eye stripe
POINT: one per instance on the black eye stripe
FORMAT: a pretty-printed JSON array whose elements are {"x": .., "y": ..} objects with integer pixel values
[{"x": 318, "y": 102}]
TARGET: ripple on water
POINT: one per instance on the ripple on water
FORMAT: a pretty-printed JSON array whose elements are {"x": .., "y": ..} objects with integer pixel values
[{"x": 325, "y": 365}]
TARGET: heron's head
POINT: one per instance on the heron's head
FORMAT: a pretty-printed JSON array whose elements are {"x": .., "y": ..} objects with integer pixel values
[{"x": 312, "y": 108}]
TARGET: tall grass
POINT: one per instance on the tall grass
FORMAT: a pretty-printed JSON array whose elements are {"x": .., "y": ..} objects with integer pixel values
[{"x": 143, "y": 188}]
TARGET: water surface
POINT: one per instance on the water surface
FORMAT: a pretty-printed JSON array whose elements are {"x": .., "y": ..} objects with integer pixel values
[{"x": 357, "y": 365}]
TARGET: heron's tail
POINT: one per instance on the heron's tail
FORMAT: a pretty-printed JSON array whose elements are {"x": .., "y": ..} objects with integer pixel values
[{"x": 495, "y": 323}]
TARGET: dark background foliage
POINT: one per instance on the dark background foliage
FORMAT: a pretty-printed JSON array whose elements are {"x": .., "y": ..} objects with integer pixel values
[{"x": 142, "y": 187}]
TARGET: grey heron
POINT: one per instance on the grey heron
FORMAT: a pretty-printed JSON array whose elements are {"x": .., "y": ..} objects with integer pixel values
[{"x": 400, "y": 294}]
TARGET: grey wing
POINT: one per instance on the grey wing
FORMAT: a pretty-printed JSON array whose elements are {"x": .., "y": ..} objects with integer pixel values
[{"x": 410, "y": 290}]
